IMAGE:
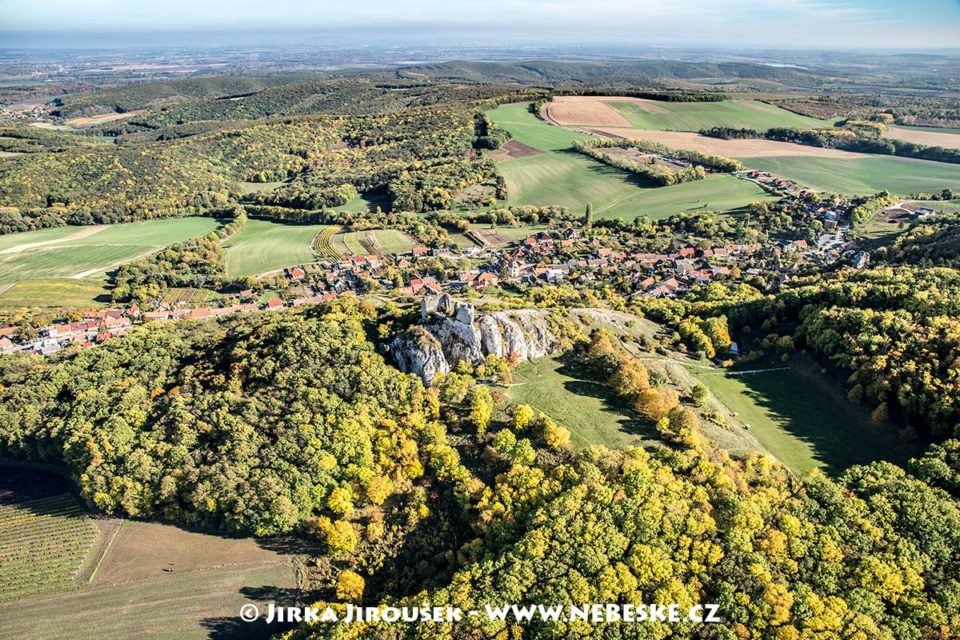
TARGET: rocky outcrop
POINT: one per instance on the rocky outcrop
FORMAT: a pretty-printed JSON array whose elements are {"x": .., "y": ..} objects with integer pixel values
[
  {"x": 450, "y": 332},
  {"x": 417, "y": 351}
]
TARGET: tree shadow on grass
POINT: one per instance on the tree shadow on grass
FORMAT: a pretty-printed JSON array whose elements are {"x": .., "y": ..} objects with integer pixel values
[
  {"x": 584, "y": 383},
  {"x": 816, "y": 412},
  {"x": 602, "y": 169}
]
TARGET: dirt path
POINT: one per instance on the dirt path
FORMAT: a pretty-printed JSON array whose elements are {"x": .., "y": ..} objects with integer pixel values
[{"x": 84, "y": 233}]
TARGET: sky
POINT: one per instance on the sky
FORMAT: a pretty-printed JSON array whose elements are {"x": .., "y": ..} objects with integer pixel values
[{"x": 841, "y": 24}]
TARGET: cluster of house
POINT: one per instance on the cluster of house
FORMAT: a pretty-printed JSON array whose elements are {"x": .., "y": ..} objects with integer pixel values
[
  {"x": 101, "y": 325},
  {"x": 94, "y": 328},
  {"x": 772, "y": 183}
]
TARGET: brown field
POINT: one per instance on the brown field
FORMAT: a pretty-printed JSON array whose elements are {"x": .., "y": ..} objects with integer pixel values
[
  {"x": 593, "y": 111},
  {"x": 513, "y": 149},
  {"x": 143, "y": 550},
  {"x": 583, "y": 111},
  {"x": 727, "y": 148},
  {"x": 929, "y": 138}
]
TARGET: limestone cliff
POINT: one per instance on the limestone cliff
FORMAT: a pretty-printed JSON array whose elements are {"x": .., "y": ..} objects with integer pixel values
[{"x": 450, "y": 332}]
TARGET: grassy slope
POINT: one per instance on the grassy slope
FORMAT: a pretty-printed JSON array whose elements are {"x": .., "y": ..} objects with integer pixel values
[
  {"x": 43, "y": 235},
  {"x": 863, "y": 175},
  {"x": 694, "y": 116},
  {"x": 804, "y": 419},
  {"x": 571, "y": 180},
  {"x": 263, "y": 246},
  {"x": 527, "y": 128},
  {"x": 566, "y": 178},
  {"x": 98, "y": 252},
  {"x": 585, "y": 407},
  {"x": 50, "y": 293}
]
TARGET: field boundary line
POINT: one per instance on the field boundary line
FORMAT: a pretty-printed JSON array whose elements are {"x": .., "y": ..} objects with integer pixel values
[{"x": 106, "y": 550}]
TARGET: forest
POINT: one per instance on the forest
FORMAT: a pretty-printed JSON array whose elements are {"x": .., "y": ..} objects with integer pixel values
[{"x": 293, "y": 422}]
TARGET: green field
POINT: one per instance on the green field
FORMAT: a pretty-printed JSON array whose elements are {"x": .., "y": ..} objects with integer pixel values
[
  {"x": 587, "y": 408},
  {"x": 44, "y": 543},
  {"x": 381, "y": 241},
  {"x": 11, "y": 240},
  {"x": 863, "y": 175},
  {"x": 947, "y": 206},
  {"x": 527, "y": 128},
  {"x": 804, "y": 418},
  {"x": 263, "y": 246},
  {"x": 694, "y": 116},
  {"x": 366, "y": 202},
  {"x": 84, "y": 252},
  {"x": 569, "y": 179},
  {"x": 62, "y": 292}
]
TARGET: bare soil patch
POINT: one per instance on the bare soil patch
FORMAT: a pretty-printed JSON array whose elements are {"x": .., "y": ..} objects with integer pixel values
[
  {"x": 929, "y": 138},
  {"x": 92, "y": 121},
  {"x": 488, "y": 237},
  {"x": 728, "y": 148},
  {"x": 583, "y": 111},
  {"x": 513, "y": 149}
]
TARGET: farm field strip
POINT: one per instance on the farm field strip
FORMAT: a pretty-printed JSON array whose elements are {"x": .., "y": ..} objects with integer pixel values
[
  {"x": 949, "y": 138},
  {"x": 375, "y": 242},
  {"x": 262, "y": 246},
  {"x": 728, "y": 148},
  {"x": 53, "y": 292},
  {"x": 71, "y": 253},
  {"x": 563, "y": 177},
  {"x": 862, "y": 176},
  {"x": 694, "y": 116}
]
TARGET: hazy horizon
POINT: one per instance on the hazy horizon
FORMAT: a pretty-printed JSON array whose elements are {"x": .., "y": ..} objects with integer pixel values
[{"x": 745, "y": 24}]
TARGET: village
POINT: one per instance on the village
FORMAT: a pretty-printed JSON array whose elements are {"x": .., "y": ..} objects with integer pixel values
[{"x": 579, "y": 257}]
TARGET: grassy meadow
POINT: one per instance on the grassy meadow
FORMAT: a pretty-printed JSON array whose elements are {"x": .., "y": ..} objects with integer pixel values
[
  {"x": 571, "y": 180},
  {"x": 90, "y": 252},
  {"x": 527, "y": 128},
  {"x": 803, "y": 417},
  {"x": 54, "y": 292},
  {"x": 865, "y": 175},
  {"x": 585, "y": 407},
  {"x": 263, "y": 246},
  {"x": 694, "y": 116}
]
